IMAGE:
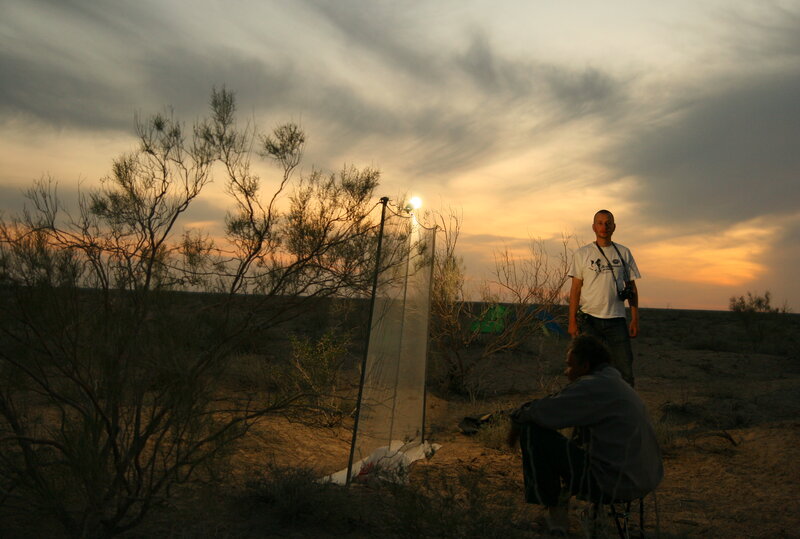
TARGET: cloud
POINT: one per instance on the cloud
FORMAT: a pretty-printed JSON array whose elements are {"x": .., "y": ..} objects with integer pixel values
[
  {"x": 91, "y": 66},
  {"x": 734, "y": 256},
  {"x": 390, "y": 34},
  {"x": 523, "y": 125},
  {"x": 781, "y": 260},
  {"x": 13, "y": 201},
  {"x": 445, "y": 109},
  {"x": 73, "y": 63},
  {"x": 57, "y": 96},
  {"x": 722, "y": 146},
  {"x": 730, "y": 155}
]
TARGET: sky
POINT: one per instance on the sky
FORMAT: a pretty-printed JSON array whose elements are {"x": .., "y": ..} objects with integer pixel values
[{"x": 525, "y": 117}]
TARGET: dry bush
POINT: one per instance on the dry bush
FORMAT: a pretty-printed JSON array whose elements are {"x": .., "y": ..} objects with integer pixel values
[
  {"x": 494, "y": 434},
  {"x": 294, "y": 497},
  {"x": 757, "y": 316},
  {"x": 316, "y": 369},
  {"x": 525, "y": 288},
  {"x": 452, "y": 507},
  {"x": 113, "y": 365}
]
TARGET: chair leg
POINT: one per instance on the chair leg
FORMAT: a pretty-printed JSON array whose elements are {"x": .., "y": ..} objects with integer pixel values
[
  {"x": 641, "y": 517},
  {"x": 594, "y": 519},
  {"x": 621, "y": 518}
]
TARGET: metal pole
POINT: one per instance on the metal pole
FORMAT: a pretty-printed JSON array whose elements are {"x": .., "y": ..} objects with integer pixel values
[
  {"x": 427, "y": 335},
  {"x": 384, "y": 202}
]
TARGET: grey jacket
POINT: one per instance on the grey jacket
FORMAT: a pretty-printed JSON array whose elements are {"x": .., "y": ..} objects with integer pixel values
[{"x": 613, "y": 424}]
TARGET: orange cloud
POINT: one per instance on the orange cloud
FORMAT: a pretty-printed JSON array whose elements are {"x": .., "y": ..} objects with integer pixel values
[{"x": 729, "y": 258}]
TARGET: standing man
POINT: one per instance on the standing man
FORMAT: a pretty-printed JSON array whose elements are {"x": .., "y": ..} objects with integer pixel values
[{"x": 604, "y": 275}]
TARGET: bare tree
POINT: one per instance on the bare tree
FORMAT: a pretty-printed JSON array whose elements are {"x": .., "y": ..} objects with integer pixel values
[
  {"x": 112, "y": 381},
  {"x": 527, "y": 287}
]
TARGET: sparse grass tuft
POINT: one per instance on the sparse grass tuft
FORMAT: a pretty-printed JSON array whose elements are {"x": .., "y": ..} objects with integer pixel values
[
  {"x": 495, "y": 433},
  {"x": 294, "y": 496},
  {"x": 452, "y": 507},
  {"x": 467, "y": 505},
  {"x": 666, "y": 435}
]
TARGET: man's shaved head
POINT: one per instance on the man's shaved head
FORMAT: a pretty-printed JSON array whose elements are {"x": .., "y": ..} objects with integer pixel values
[{"x": 603, "y": 212}]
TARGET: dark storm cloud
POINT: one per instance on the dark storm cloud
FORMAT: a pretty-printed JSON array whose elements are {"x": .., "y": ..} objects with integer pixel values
[
  {"x": 522, "y": 102},
  {"x": 730, "y": 154},
  {"x": 440, "y": 135},
  {"x": 382, "y": 30},
  {"x": 583, "y": 92},
  {"x": 92, "y": 65},
  {"x": 57, "y": 96},
  {"x": 561, "y": 91},
  {"x": 62, "y": 97},
  {"x": 46, "y": 75},
  {"x": 727, "y": 152},
  {"x": 782, "y": 263}
]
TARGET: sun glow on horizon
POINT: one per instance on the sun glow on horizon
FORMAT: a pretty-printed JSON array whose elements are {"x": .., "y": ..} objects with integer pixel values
[{"x": 730, "y": 258}]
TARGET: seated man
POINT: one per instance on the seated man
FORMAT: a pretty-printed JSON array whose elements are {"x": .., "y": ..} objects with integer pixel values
[{"x": 613, "y": 455}]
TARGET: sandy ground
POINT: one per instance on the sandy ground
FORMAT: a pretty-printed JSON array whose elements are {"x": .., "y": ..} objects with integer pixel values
[
  {"x": 730, "y": 421},
  {"x": 728, "y": 418}
]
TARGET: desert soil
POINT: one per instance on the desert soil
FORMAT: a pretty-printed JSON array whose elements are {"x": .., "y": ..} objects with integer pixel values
[{"x": 728, "y": 418}]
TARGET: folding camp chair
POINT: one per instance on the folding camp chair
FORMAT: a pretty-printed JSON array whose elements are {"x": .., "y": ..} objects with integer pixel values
[{"x": 620, "y": 511}]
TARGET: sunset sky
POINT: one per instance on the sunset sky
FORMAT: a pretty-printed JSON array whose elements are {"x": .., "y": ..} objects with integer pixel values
[{"x": 681, "y": 117}]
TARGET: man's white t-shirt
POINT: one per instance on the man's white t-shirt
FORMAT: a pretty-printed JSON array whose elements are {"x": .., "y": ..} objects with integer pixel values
[{"x": 598, "y": 294}]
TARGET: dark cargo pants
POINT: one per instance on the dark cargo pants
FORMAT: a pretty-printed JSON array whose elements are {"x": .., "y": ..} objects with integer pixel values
[
  {"x": 613, "y": 332},
  {"x": 553, "y": 467}
]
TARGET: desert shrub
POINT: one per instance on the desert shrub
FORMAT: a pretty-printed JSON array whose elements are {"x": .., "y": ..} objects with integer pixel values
[
  {"x": 316, "y": 372},
  {"x": 494, "y": 434},
  {"x": 464, "y": 506},
  {"x": 730, "y": 412},
  {"x": 117, "y": 333},
  {"x": 756, "y": 304},
  {"x": 515, "y": 304},
  {"x": 452, "y": 507},
  {"x": 294, "y": 497},
  {"x": 757, "y": 316},
  {"x": 668, "y": 437},
  {"x": 106, "y": 410},
  {"x": 680, "y": 412}
]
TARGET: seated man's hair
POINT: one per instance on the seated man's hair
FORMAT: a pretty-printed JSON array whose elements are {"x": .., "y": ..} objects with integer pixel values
[{"x": 587, "y": 348}]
